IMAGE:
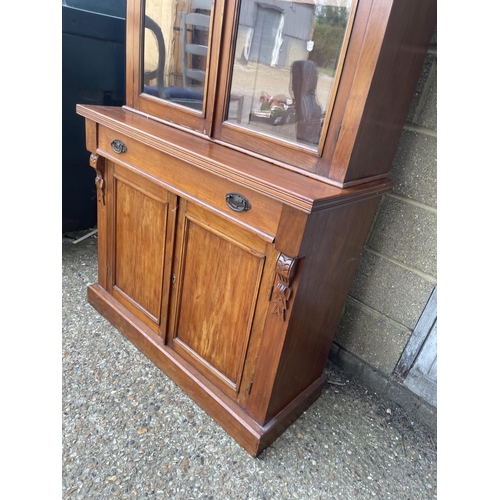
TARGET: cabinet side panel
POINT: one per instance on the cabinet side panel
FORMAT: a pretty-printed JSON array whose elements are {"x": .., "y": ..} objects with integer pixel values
[
  {"x": 398, "y": 67},
  {"x": 331, "y": 248}
]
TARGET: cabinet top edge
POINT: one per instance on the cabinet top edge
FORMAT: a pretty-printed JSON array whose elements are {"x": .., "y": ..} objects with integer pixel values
[{"x": 292, "y": 188}]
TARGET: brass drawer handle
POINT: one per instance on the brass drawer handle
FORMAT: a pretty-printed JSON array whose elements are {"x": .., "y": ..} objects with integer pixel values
[
  {"x": 237, "y": 202},
  {"x": 118, "y": 146}
]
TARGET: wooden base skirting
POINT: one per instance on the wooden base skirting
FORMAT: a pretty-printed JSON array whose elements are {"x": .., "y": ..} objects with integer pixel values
[{"x": 233, "y": 419}]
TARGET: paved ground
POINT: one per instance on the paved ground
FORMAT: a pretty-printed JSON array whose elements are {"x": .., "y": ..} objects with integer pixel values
[{"x": 129, "y": 432}]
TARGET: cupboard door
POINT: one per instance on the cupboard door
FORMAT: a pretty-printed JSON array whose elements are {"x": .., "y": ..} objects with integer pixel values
[
  {"x": 220, "y": 296},
  {"x": 142, "y": 224}
]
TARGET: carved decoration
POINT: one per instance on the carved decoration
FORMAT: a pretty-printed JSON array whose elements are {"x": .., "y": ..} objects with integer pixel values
[
  {"x": 94, "y": 159},
  {"x": 97, "y": 162},
  {"x": 285, "y": 270}
]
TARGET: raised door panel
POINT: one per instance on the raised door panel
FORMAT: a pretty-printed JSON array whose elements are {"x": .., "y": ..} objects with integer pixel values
[
  {"x": 219, "y": 293},
  {"x": 142, "y": 228}
]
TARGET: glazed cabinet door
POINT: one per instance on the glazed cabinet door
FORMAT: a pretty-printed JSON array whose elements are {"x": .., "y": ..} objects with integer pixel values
[
  {"x": 141, "y": 224},
  {"x": 223, "y": 275}
]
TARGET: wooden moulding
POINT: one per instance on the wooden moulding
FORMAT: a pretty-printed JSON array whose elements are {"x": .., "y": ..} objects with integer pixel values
[
  {"x": 250, "y": 435},
  {"x": 286, "y": 186}
]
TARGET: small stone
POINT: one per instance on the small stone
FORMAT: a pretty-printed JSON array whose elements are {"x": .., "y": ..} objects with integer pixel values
[{"x": 142, "y": 431}]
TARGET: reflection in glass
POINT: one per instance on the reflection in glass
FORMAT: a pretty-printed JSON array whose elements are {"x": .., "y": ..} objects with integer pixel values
[
  {"x": 175, "y": 50},
  {"x": 287, "y": 54}
]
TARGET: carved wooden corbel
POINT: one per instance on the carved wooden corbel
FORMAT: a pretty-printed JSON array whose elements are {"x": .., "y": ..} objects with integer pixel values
[
  {"x": 97, "y": 162},
  {"x": 285, "y": 270}
]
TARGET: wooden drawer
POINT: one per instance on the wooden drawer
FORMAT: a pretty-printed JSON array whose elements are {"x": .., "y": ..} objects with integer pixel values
[{"x": 194, "y": 183}]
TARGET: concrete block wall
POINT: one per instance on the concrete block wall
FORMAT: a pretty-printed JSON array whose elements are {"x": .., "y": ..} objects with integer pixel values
[{"x": 397, "y": 270}]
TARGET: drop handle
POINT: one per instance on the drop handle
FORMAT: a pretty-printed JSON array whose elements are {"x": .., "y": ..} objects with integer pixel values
[
  {"x": 118, "y": 146},
  {"x": 237, "y": 202}
]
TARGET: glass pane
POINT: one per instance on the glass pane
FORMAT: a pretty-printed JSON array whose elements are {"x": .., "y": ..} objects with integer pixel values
[
  {"x": 286, "y": 59},
  {"x": 175, "y": 50}
]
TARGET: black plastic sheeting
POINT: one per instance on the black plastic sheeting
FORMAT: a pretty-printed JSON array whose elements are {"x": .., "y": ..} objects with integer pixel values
[{"x": 93, "y": 72}]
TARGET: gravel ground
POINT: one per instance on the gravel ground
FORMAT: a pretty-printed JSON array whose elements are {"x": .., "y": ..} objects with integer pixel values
[{"x": 130, "y": 432}]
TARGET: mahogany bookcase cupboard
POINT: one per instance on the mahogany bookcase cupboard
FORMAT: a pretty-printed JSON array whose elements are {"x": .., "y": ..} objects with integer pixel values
[{"x": 237, "y": 186}]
